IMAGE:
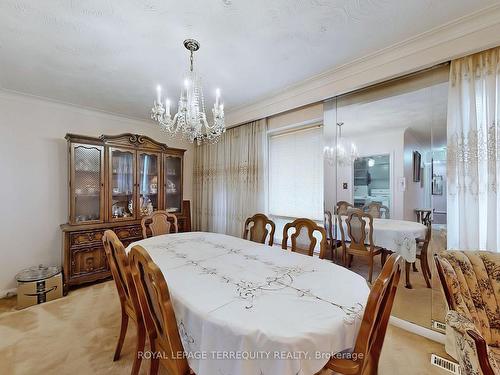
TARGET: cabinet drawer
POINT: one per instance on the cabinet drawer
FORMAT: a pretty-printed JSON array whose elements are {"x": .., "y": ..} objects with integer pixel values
[
  {"x": 88, "y": 261},
  {"x": 132, "y": 232},
  {"x": 88, "y": 237}
]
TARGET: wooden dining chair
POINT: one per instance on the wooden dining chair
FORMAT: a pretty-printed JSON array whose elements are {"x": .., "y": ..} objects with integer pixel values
[
  {"x": 303, "y": 240},
  {"x": 256, "y": 229},
  {"x": 342, "y": 207},
  {"x": 422, "y": 254},
  {"x": 377, "y": 210},
  {"x": 332, "y": 242},
  {"x": 159, "y": 315},
  {"x": 361, "y": 242},
  {"x": 159, "y": 222},
  {"x": 373, "y": 327},
  {"x": 129, "y": 301}
]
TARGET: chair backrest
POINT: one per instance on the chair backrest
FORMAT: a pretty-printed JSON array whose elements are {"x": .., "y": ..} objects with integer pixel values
[
  {"x": 120, "y": 270},
  {"x": 426, "y": 218},
  {"x": 303, "y": 237},
  {"x": 377, "y": 210},
  {"x": 158, "y": 311},
  {"x": 340, "y": 222},
  {"x": 471, "y": 284},
  {"x": 159, "y": 222},
  {"x": 256, "y": 229},
  {"x": 342, "y": 207},
  {"x": 328, "y": 224},
  {"x": 357, "y": 223},
  {"x": 376, "y": 316}
]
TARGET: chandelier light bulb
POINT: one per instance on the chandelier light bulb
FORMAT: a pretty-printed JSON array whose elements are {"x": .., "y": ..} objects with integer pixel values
[
  {"x": 158, "y": 94},
  {"x": 167, "y": 107}
]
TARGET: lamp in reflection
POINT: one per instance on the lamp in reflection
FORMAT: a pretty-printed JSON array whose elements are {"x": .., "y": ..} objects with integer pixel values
[{"x": 346, "y": 152}]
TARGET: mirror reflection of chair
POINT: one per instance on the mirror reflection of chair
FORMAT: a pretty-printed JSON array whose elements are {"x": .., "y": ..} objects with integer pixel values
[
  {"x": 159, "y": 314},
  {"x": 119, "y": 265},
  {"x": 377, "y": 210},
  {"x": 258, "y": 228},
  {"x": 361, "y": 241},
  {"x": 303, "y": 239},
  {"x": 342, "y": 207},
  {"x": 331, "y": 238},
  {"x": 159, "y": 222},
  {"x": 373, "y": 327},
  {"x": 422, "y": 254}
]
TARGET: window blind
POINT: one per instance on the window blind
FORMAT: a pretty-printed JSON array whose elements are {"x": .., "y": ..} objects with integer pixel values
[{"x": 296, "y": 174}]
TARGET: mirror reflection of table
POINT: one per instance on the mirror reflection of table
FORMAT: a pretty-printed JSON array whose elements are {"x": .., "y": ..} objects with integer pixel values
[{"x": 397, "y": 236}]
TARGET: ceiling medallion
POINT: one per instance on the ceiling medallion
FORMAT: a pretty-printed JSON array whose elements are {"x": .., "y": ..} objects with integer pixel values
[{"x": 190, "y": 120}]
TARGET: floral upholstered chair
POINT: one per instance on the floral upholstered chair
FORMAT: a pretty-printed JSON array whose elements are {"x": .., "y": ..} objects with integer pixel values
[{"x": 471, "y": 284}]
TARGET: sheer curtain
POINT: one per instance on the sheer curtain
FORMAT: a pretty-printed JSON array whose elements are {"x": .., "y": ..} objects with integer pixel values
[
  {"x": 230, "y": 179},
  {"x": 473, "y": 152}
]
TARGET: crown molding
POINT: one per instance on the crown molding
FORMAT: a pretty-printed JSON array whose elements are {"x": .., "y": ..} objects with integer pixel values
[
  {"x": 472, "y": 33},
  {"x": 91, "y": 111}
]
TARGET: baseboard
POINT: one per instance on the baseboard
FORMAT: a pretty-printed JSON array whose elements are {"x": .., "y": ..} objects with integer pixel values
[
  {"x": 8, "y": 293},
  {"x": 418, "y": 330}
]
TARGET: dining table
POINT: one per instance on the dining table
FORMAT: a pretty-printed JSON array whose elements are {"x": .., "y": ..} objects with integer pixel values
[{"x": 251, "y": 309}]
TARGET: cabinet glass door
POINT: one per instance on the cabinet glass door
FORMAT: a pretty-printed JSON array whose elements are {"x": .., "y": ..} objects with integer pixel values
[
  {"x": 148, "y": 183},
  {"x": 122, "y": 184},
  {"x": 87, "y": 183},
  {"x": 173, "y": 183}
]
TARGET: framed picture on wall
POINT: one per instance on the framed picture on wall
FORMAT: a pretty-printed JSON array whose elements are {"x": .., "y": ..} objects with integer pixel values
[
  {"x": 416, "y": 166},
  {"x": 437, "y": 185}
]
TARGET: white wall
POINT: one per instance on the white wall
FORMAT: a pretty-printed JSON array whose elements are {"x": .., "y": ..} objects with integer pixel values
[
  {"x": 415, "y": 194},
  {"x": 33, "y": 174},
  {"x": 379, "y": 143}
]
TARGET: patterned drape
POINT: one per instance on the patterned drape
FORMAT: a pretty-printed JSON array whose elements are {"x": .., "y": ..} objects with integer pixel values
[
  {"x": 230, "y": 179},
  {"x": 473, "y": 152}
]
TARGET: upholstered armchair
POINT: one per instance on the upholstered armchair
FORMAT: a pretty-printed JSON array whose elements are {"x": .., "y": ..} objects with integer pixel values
[{"x": 471, "y": 284}]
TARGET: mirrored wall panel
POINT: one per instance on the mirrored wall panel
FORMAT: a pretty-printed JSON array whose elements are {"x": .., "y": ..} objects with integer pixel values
[{"x": 388, "y": 161}]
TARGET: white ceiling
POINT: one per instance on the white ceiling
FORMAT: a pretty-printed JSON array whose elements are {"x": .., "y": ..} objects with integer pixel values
[
  {"x": 110, "y": 54},
  {"x": 422, "y": 110}
]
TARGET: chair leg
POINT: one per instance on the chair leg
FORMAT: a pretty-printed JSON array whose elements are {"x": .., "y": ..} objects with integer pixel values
[
  {"x": 425, "y": 271},
  {"x": 407, "y": 273},
  {"x": 371, "y": 270},
  {"x": 121, "y": 338},
  {"x": 155, "y": 360},
  {"x": 383, "y": 257},
  {"x": 414, "y": 266},
  {"x": 141, "y": 341},
  {"x": 349, "y": 264}
]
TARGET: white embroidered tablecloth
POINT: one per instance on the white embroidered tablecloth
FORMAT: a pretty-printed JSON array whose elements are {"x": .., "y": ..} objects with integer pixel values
[
  {"x": 244, "y": 308},
  {"x": 396, "y": 235}
]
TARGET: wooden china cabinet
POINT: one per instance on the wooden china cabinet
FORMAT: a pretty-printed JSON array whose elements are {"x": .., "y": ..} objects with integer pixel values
[{"x": 113, "y": 182}]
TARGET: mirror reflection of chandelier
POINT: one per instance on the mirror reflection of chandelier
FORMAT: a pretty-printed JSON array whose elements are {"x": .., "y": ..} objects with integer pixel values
[
  {"x": 346, "y": 152},
  {"x": 190, "y": 119}
]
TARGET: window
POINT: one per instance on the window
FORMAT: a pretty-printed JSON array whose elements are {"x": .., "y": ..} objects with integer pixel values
[{"x": 296, "y": 174}]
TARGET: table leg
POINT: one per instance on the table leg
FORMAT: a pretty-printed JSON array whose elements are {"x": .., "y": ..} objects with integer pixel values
[{"x": 407, "y": 273}]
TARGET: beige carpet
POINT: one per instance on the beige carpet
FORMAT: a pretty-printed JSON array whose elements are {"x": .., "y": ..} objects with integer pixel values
[
  {"x": 419, "y": 305},
  {"x": 77, "y": 335}
]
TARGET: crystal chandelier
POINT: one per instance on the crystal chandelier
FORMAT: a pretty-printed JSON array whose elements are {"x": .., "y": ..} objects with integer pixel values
[
  {"x": 346, "y": 152},
  {"x": 190, "y": 119}
]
